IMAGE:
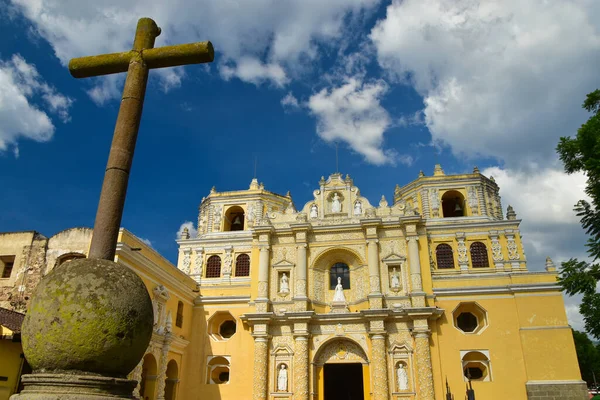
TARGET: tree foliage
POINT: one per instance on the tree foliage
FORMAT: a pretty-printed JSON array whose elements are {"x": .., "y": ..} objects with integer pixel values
[
  {"x": 582, "y": 154},
  {"x": 588, "y": 357}
]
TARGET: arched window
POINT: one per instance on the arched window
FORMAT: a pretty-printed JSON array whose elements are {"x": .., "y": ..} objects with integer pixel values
[
  {"x": 242, "y": 265},
  {"x": 213, "y": 267},
  {"x": 453, "y": 204},
  {"x": 476, "y": 366},
  {"x": 179, "y": 319},
  {"x": 444, "y": 256},
  {"x": 234, "y": 219},
  {"x": 68, "y": 257},
  {"x": 479, "y": 255},
  {"x": 339, "y": 270}
]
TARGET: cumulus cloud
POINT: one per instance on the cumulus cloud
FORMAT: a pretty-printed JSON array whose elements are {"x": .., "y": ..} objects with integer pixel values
[
  {"x": 503, "y": 78},
  {"x": 352, "y": 113},
  {"x": 290, "y": 102},
  {"x": 544, "y": 198},
  {"x": 258, "y": 41},
  {"x": 190, "y": 226},
  {"x": 25, "y": 103}
]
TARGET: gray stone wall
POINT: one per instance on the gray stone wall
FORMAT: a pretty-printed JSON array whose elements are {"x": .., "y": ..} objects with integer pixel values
[{"x": 557, "y": 391}]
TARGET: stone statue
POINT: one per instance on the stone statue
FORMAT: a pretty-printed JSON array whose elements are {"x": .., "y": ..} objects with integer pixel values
[
  {"x": 358, "y": 208},
  {"x": 336, "y": 206},
  {"x": 282, "y": 379},
  {"x": 395, "y": 278},
  {"x": 314, "y": 211},
  {"x": 284, "y": 286},
  {"x": 339, "y": 292},
  {"x": 402, "y": 378}
]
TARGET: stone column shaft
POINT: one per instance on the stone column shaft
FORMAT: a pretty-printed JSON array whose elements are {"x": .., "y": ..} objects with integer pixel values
[
  {"x": 415, "y": 264},
  {"x": 261, "y": 372},
  {"x": 263, "y": 272},
  {"x": 424, "y": 372},
  {"x": 301, "y": 271},
  {"x": 373, "y": 262},
  {"x": 379, "y": 368},
  {"x": 301, "y": 368}
]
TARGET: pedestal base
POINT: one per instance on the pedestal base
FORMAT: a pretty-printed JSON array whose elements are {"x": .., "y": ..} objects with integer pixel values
[
  {"x": 339, "y": 307},
  {"x": 71, "y": 387}
]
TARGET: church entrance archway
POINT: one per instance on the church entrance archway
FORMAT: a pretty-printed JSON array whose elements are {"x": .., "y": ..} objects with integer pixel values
[
  {"x": 343, "y": 381},
  {"x": 341, "y": 370}
]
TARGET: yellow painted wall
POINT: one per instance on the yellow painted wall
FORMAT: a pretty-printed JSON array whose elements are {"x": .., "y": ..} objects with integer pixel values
[{"x": 10, "y": 365}]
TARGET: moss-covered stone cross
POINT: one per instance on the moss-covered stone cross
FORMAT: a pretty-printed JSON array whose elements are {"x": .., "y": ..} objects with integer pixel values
[{"x": 136, "y": 62}]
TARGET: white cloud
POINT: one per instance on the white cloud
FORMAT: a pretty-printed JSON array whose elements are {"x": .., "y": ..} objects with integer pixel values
[
  {"x": 252, "y": 70},
  {"x": 544, "y": 199},
  {"x": 290, "y": 102},
  {"x": 572, "y": 308},
  {"x": 352, "y": 113},
  {"x": 256, "y": 41},
  {"x": 147, "y": 242},
  {"x": 23, "y": 93},
  {"x": 503, "y": 78},
  {"x": 190, "y": 226}
]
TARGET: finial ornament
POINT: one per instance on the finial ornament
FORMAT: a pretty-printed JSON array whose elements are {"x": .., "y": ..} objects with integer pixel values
[
  {"x": 438, "y": 171},
  {"x": 421, "y": 174},
  {"x": 185, "y": 234},
  {"x": 550, "y": 265},
  {"x": 213, "y": 190},
  {"x": 254, "y": 184},
  {"x": 476, "y": 170},
  {"x": 510, "y": 213}
]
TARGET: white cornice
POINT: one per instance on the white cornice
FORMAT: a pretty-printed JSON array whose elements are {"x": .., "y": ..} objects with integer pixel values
[
  {"x": 505, "y": 289},
  {"x": 468, "y": 223},
  {"x": 201, "y": 300}
]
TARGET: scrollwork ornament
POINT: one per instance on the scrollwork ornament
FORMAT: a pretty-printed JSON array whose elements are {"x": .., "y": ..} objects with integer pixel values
[
  {"x": 496, "y": 249},
  {"x": 511, "y": 246},
  {"x": 462, "y": 252}
]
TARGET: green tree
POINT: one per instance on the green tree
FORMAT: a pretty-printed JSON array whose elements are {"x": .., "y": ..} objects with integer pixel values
[
  {"x": 588, "y": 357},
  {"x": 582, "y": 154}
]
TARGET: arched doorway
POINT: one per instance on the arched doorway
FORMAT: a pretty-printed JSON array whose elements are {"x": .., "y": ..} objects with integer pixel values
[
  {"x": 148, "y": 381},
  {"x": 171, "y": 380},
  {"x": 341, "y": 371}
]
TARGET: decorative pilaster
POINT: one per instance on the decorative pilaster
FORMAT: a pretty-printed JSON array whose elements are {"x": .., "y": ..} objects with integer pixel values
[
  {"x": 461, "y": 250},
  {"x": 379, "y": 367},
  {"x": 301, "y": 367},
  {"x": 424, "y": 370},
  {"x": 497, "y": 255},
  {"x": 162, "y": 368},
  {"x": 136, "y": 375},
  {"x": 416, "y": 293},
  {"x": 263, "y": 279},
  {"x": 227, "y": 264},
  {"x": 375, "y": 296},
  {"x": 185, "y": 265},
  {"x": 261, "y": 347},
  {"x": 198, "y": 264}
]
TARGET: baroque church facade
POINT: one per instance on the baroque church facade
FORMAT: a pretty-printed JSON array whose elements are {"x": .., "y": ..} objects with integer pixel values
[
  {"x": 409, "y": 299},
  {"x": 415, "y": 298}
]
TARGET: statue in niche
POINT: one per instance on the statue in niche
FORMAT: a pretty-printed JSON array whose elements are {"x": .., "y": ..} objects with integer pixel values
[
  {"x": 402, "y": 377},
  {"x": 314, "y": 211},
  {"x": 284, "y": 284},
  {"x": 358, "y": 208},
  {"x": 339, "y": 297},
  {"x": 336, "y": 206},
  {"x": 395, "y": 279},
  {"x": 282, "y": 379}
]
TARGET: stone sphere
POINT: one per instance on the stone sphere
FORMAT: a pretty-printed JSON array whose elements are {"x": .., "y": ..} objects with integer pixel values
[{"x": 87, "y": 315}]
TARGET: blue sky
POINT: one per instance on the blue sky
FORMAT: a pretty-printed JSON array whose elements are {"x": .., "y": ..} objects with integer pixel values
[{"x": 400, "y": 86}]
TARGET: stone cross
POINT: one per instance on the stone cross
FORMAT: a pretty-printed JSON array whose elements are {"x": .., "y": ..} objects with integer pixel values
[{"x": 136, "y": 62}]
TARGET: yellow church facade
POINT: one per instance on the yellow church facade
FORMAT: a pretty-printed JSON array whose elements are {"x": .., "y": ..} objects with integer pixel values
[
  {"x": 335, "y": 299},
  {"x": 340, "y": 298}
]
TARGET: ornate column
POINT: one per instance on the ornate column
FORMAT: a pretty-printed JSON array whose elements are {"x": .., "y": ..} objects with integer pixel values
[
  {"x": 261, "y": 371},
  {"x": 262, "y": 299},
  {"x": 162, "y": 368},
  {"x": 136, "y": 375},
  {"x": 461, "y": 252},
  {"x": 423, "y": 358},
  {"x": 301, "y": 367},
  {"x": 379, "y": 367},
  {"x": 373, "y": 261}
]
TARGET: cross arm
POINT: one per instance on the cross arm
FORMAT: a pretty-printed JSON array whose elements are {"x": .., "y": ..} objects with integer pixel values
[
  {"x": 161, "y": 57},
  {"x": 106, "y": 64},
  {"x": 181, "y": 54}
]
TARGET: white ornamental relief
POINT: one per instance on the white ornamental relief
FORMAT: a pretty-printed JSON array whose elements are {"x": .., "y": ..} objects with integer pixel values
[
  {"x": 511, "y": 246},
  {"x": 227, "y": 262},
  {"x": 473, "y": 199},
  {"x": 434, "y": 203},
  {"x": 496, "y": 249},
  {"x": 186, "y": 261},
  {"x": 198, "y": 263},
  {"x": 462, "y": 252},
  {"x": 216, "y": 218}
]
